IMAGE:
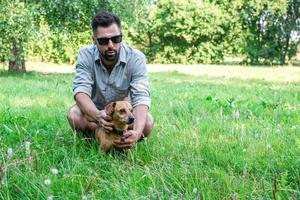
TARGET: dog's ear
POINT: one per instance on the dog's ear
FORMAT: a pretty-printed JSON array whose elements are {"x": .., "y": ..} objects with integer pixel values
[{"x": 109, "y": 109}]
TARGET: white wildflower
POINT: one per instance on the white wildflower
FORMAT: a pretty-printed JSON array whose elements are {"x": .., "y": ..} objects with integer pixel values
[
  {"x": 278, "y": 130},
  {"x": 294, "y": 127},
  {"x": 195, "y": 190},
  {"x": 50, "y": 197},
  {"x": 54, "y": 171},
  {"x": 151, "y": 190},
  {"x": 84, "y": 197},
  {"x": 235, "y": 115},
  {"x": 27, "y": 149},
  {"x": 10, "y": 152},
  {"x": 27, "y": 146},
  {"x": 47, "y": 182},
  {"x": 268, "y": 146},
  {"x": 171, "y": 104},
  {"x": 244, "y": 150}
]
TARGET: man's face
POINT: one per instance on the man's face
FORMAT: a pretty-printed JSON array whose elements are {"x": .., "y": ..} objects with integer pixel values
[{"x": 109, "y": 51}]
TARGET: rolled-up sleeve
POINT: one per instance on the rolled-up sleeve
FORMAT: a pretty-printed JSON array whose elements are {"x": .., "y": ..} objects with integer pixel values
[
  {"x": 139, "y": 85},
  {"x": 83, "y": 80}
]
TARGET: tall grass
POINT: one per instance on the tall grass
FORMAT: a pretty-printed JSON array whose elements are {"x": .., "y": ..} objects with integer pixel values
[{"x": 214, "y": 138}]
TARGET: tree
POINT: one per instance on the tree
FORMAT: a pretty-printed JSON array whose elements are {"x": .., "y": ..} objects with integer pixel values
[
  {"x": 54, "y": 28},
  {"x": 15, "y": 29},
  {"x": 187, "y": 32},
  {"x": 269, "y": 27}
]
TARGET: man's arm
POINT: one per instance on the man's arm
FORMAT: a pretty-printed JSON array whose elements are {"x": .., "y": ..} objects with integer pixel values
[
  {"x": 140, "y": 113},
  {"x": 82, "y": 89},
  {"x": 86, "y": 105},
  {"x": 140, "y": 99}
]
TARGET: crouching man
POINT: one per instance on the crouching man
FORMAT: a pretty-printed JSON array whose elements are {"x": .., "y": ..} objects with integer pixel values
[{"x": 110, "y": 71}]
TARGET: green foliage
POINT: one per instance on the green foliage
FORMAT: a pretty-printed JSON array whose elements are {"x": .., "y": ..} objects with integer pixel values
[
  {"x": 61, "y": 28},
  {"x": 51, "y": 45},
  {"x": 213, "y": 138},
  {"x": 167, "y": 31},
  {"x": 185, "y": 32},
  {"x": 269, "y": 27},
  {"x": 15, "y": 30}
]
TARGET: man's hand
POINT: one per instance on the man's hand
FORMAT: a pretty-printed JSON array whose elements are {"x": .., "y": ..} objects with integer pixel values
[
  {"x": 128, "y": 140},
  {"x": 104, "y": 121}
]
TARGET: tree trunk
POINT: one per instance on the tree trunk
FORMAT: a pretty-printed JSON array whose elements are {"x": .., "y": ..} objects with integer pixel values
[{"x": 17, "y": 62}]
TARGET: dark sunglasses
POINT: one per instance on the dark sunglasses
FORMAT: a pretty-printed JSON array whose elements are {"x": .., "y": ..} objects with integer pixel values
[{"x": 105, "y": 41}]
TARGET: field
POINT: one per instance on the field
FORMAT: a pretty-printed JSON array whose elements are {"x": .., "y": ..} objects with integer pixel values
[{"x": 214, "y": 138}]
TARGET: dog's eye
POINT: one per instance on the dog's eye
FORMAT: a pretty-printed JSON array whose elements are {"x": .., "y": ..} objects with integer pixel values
[{"x": 122, "y": 111}]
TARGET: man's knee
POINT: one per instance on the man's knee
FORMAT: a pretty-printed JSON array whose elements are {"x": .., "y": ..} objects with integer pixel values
[
  {"x": 149, "y": 125},
  {"x": 71, "y": 115},
  {"x": 74, "y": 116}
]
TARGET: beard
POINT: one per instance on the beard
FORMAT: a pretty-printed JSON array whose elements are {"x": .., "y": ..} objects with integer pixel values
[{"x": 110, "y": 55}]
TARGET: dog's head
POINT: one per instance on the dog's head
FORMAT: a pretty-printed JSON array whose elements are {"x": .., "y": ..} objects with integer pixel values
[{"x": 121, "y": 113}]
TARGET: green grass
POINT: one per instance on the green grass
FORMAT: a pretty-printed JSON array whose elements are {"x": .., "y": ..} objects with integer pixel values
[{"x": 214, "y": 138}]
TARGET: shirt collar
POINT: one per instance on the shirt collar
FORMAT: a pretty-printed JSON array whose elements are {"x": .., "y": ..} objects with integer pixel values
[{"x": 121, "y": 59}]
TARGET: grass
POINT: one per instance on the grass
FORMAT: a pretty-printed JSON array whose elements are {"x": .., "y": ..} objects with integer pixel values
[{"x": 214, "y": 138}]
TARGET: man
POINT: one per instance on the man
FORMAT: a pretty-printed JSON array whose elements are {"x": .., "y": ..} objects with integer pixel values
[{"x": 108, "y": 71}]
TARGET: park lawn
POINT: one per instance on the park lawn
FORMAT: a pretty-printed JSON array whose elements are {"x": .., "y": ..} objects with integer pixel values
[{"x": 214, "y": 138}]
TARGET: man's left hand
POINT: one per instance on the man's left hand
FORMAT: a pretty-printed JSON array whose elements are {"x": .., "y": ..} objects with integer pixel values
[{"x": 128, "y": 140}]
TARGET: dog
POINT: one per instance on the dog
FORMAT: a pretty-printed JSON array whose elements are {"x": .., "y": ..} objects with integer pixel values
[{"x": 122, "y": 117}]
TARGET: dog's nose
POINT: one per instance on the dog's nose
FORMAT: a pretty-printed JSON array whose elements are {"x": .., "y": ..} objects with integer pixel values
[{"x": 130, "y": 120}]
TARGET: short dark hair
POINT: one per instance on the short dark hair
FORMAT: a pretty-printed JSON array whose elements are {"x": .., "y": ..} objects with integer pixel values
[{"x": 105, "y": 19}]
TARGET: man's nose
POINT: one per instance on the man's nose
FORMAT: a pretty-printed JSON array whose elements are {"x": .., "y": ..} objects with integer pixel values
[{"x": 110, "y": 43}]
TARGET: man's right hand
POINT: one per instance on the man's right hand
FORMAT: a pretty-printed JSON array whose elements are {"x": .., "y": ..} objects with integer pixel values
[{"x": 104, "y": 121}]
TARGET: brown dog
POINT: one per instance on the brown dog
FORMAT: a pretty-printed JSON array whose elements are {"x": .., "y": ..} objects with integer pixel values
[{"x": 121, "y": 114}]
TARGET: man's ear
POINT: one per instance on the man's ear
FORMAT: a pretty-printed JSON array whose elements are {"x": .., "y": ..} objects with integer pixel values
[
  {"x": 94, "y": 40},
  {"x": 109, "y": 109}
]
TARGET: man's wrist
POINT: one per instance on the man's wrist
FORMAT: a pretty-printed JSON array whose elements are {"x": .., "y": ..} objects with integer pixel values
[{"x": 140, "y": 133}]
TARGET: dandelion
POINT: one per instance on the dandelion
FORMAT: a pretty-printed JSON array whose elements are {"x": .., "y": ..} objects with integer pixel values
[
  {"x": 235, "y": 115},
  {"x": 10, "y": 152},
  {"x": 84, "y": 197},
  {"x": 27, "y": 149},
  {"x": 47, "y": 182},
  {"x": 221, "y": 112},
  {"x": 50, "y": 197},
  {"x": 54, "y": 171},
  {"x": 278, "y": 130},
  {"x": 27, "y": 146}
]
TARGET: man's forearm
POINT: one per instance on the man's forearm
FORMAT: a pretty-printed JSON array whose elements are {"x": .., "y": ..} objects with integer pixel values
[
  {"x": 86, "y": 105},
  {"x": 140, "y": 113}
]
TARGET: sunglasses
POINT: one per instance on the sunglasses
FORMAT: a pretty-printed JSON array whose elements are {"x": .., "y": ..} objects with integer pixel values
[{"x": 114, "y": 39}]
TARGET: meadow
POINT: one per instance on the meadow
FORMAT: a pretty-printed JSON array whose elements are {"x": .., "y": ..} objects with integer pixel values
[{"x": 214, "y": 138}]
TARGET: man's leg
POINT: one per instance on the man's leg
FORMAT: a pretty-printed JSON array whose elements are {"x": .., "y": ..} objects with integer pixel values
[
  {"x": 148, "y": 126},
  {"x": 80, "y": 122}
]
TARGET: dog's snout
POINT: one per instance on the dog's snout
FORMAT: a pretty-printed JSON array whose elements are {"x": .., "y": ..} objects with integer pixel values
[{"x": 130, "y": 120}]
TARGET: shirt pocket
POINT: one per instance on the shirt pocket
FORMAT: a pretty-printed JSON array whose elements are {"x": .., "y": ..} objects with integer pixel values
[
  {"x": 119, "y": 94},
  {"x": 122, "y": 84}
]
